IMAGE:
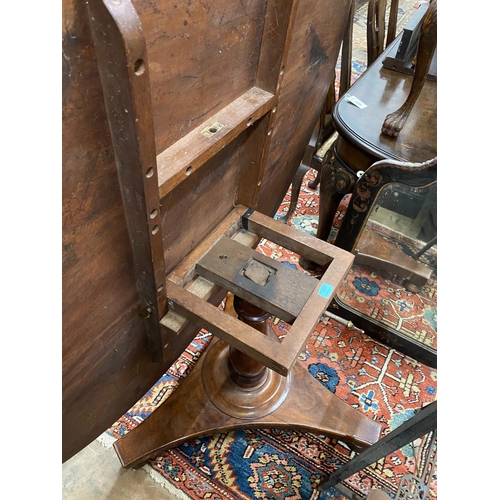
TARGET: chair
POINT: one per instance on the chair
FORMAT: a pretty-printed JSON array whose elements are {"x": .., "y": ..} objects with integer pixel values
[{"x": 379, "y": 34}]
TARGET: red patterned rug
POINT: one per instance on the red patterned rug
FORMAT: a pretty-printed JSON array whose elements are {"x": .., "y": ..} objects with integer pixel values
[{"x": 276, "y": 464}]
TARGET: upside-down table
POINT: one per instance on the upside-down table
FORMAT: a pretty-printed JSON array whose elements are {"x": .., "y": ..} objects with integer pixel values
[{"x": 184, "y": 123}]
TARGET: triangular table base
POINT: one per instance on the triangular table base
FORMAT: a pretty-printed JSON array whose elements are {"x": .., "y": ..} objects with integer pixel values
[{"x": 209, "y": 402}]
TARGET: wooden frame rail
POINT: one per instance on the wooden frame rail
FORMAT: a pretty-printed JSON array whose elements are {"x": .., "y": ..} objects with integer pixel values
[
  {"x": 192, "y": 151},
  {"x": 280, "y": 357}
]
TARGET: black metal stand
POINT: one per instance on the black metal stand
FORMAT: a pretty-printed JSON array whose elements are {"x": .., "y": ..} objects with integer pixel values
[{"x": 422, "y": 423}]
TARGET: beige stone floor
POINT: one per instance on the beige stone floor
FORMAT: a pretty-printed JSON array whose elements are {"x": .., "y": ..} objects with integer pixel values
[{"x": 96, "y": 473}]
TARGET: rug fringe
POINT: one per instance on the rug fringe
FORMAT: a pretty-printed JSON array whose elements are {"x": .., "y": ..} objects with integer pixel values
[
  {"x": 106, "y": 440},
  {"x": 158, "y": 478}
]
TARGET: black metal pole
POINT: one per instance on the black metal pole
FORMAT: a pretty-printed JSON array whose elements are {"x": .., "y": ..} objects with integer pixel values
[{"x": 417, "y": 426}]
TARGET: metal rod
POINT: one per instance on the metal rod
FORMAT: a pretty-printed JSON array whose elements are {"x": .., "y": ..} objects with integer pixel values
[
  {"x": 423, "y": 422},
  {"x": 342, "y": 321},
  {"x": 424, "y": 249}
]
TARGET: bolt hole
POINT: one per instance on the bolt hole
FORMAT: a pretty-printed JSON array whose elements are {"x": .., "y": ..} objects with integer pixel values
[
  {"x": 189, "y": 170},
  {"x": 212, "y": 130},
  {"x": 250, "y": 122},
  {"x": 139, "y": 67},
  {"x": 155, "y": 229},
  {"x": 153, "y": 214},
  {"x": 150, "y": 172}
]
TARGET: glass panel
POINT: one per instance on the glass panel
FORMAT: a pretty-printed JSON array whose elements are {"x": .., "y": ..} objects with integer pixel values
[
  {"x": 409, "y": 211},
  {"x": 393, "y": 281}
]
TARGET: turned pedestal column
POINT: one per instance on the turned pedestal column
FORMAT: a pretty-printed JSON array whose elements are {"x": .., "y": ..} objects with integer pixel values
[{"x": 228, "y": 390}]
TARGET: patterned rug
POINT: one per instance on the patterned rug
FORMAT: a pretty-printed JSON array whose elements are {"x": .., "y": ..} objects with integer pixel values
[
  {"x": 276, "y": 464},
  {"x": 381, "y": 296}
]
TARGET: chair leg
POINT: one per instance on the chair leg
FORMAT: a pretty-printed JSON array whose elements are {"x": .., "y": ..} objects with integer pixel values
[{"x": 296, "y": 183}]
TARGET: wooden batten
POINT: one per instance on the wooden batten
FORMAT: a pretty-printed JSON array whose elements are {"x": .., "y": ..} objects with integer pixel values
[
  {"x": 245, "y": 338},
  {"x": 195, "y": 149},
  {"x": 319, "y": 300},
  {"x": 299, "y": 242},
  {"x": 123, "y": 68},
  {"x": 278, "y": 24},
  {"x": 275, "y": 45}
]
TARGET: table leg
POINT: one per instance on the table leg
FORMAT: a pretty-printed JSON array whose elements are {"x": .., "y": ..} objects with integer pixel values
[{"x": 395, "y": 121}]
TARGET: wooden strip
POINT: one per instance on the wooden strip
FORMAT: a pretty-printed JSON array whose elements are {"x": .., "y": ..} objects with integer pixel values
[
  {"x": 187, "y": 330},
  {"x": 305, "y": 324},
  {"x": 201, "y": 288},
  {"x": 258, "y": 279},
  {"x": 277, "y": 25},
  {"x": 278, "y": 28},
  {"x": 124, "y": 73},
  {"x": 241, "y": 336},
  {"x": 291, "y": 238},
  {"x": 192, "y": 151},
  {"x": 251, "y": 158}
]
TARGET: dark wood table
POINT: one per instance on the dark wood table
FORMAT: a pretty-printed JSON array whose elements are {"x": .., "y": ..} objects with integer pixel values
[
  {"x": 360, "y": 140},
  {"x": 182, "y": 129}
]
